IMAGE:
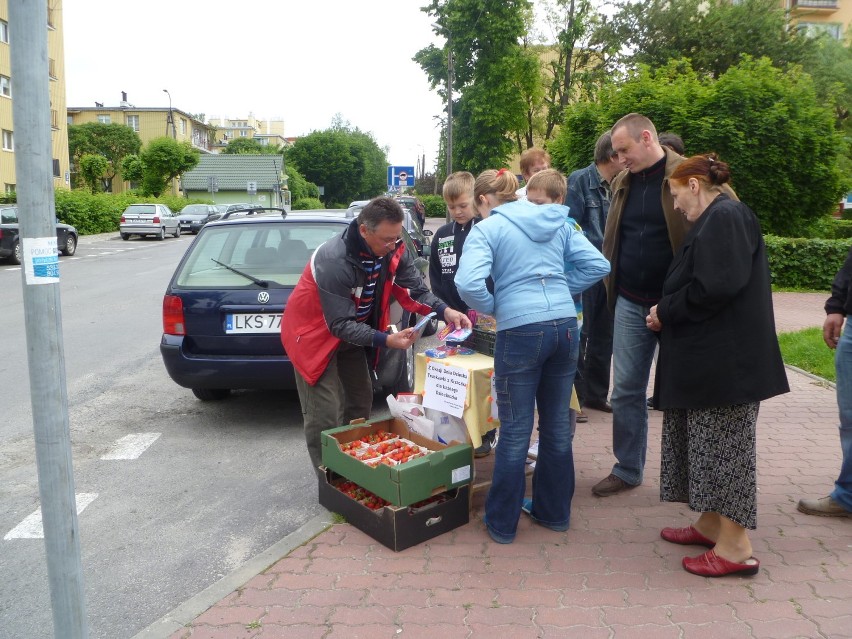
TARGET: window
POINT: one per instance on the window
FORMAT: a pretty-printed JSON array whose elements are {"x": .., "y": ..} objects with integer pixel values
[
  {"x": 54, "y": 118},
  {"x": 4, "y": 31},
  {"x": 56, "y": 168},
  {"x": 50, "y": 22},
  {"x": 104, "y": 119},
  {"x": 243, "y": 133},
  {"x": 182, "y": 126},
  {"x": 8, "y": 141},
  {"x": 815, "y": 29},
  {"x": 5, "y": 86},
  {"x": 51, "y": 68},
  {"x": 11, "y": 188},
  {"x": 133, "y": 122}
]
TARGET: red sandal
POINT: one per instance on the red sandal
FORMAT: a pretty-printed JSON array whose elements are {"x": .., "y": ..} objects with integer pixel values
[
  {"x": 686, "y": 536},
  {"x": 712, "y": 565}
]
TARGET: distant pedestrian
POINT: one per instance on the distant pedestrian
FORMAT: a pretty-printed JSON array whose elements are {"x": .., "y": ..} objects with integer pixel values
[
  {"x": 672, "y": 141},
  {"x": 837, "y": 308}
]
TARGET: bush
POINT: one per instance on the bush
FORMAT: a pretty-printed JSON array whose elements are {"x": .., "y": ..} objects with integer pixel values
[
  {"x": 805, "y": 263},
  {"x": 307, "y": 203},
  {"x": 842, "y": 229},
  {"x": 435, "y": 205}
]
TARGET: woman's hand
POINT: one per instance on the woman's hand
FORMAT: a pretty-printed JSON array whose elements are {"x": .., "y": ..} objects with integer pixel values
[
  {"x": 459, "y": 319},
  {"x": 652, "y": 321}
]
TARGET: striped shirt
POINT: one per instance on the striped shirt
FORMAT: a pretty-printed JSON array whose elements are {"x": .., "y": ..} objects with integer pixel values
[{"x": 372, "y": 267}]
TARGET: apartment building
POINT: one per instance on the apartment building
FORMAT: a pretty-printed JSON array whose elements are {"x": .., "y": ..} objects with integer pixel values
[
  {"x": 56, "y": 73},
  {"x": 821, "y": 16},
  {"x": 149, "y": 123},
  {"x": 266, "y": 132}
]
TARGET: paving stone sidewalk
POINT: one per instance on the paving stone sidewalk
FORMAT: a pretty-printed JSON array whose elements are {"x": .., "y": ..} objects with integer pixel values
[{"x": 610, "y": 575}]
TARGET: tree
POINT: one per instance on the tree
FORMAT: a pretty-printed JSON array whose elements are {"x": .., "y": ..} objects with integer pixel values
[
  {"x": 485, "y": 37},
  {"x": 112, "y": 141},
  {"x": 769, "y": 125},
  {"x": 346, "y": 161},
  {"x": 164, "y": 159},
  {"x": 132, "y": 168},
  {"x": 250, "y": 146},
  {"x": 93, "y": 168},
  {"x": 299, "y": 187}
]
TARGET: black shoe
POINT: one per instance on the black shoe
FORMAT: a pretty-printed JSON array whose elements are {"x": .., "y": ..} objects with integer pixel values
[
  {"x": 598, "y": 404},
  {"x": 650, "y": 402},
  {"x": 582, "y": 418},
  {"x": 489, "y": 442}
]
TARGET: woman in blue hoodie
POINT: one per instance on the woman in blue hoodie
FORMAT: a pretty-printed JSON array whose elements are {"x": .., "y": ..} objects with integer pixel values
[{"x": 524, "y": 247}]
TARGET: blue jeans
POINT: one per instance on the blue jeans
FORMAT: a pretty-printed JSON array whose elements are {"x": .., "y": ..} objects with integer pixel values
[
  {"x": 842, "y": 493},
  {"x": 533, "y": 364},
  {"x": 633, "y": 346}
]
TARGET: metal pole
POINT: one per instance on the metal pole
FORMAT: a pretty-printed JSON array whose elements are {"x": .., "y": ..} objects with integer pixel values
[
  {"x": 42, "y": 316},
  {"x": 449, "y": 105}
]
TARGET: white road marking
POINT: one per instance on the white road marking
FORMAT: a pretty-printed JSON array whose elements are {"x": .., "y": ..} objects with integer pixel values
[
  {"x": 131, "y": 446},
  {"x": 32, "y": 528}
]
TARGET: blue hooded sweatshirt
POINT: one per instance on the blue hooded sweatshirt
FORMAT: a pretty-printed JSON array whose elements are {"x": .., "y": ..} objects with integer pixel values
[{"x": 525, "y": 247}]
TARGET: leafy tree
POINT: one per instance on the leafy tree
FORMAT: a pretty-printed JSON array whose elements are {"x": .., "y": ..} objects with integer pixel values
[
  {"x": 164, "y": 159},
  {"x": 250, "y": 146},
  {"x": 112, "y": 141},
  {"x": 92, "y": 169},
  {"x": 713, "y": 35},
  {"x": 346, "y": 161},
  {"x": 768, "y": 124},
  {"x": 132, "y": 168},
  {"x": 484, "y": 36},
  {"x": 299, "y": 187}
]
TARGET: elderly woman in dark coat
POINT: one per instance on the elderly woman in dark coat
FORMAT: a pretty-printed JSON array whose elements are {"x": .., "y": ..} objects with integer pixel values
[{"x": 719, "y": 358}]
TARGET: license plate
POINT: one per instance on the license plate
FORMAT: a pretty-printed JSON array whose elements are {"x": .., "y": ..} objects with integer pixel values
[{"x": 253, "y": 323}]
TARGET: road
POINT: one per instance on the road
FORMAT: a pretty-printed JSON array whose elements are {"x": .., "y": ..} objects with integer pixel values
[{"x": 217, "y": 483}]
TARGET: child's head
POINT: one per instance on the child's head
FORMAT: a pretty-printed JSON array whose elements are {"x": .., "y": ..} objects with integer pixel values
[
  {"x": 493, "y": 188},
  {"x": 547, "y": 187},
  {"x": 458, "y": 194}
]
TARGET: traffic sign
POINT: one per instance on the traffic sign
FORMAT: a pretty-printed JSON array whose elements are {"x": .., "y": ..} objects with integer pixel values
[
  {"x": 251, "y": 187},
  {"x": 212, "y": 183},
  {"x": 400, "y": 176}
]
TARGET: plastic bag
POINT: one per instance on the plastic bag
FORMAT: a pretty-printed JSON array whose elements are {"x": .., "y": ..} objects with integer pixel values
[
  {"x": 407, "y": 408},
  {"x": 447, "y": 427}
]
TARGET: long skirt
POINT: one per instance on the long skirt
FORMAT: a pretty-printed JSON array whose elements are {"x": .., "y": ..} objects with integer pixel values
[{"x": 709, "y": 460}]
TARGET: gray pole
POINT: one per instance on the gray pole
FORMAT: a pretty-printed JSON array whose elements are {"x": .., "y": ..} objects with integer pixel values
[
  {"x": 43, "y": 320},
  {"x": 449, "y": 105}
]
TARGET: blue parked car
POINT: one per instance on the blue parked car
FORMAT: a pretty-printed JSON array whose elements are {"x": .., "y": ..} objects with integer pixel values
[{"x": 222, "y": 309}]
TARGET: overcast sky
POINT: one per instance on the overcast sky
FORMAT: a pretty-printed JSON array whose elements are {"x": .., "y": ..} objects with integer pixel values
[{"x": 302, "y": 61}]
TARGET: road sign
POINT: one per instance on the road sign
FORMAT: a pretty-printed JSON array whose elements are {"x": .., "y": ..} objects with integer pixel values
[
  {"x": 400, "y": 176},
  {"x": 212, "y": 183},
  {"x": 251, "y": 187}
]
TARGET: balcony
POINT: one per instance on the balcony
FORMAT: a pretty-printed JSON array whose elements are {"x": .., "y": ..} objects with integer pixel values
[{"x": 823, "y": 6}]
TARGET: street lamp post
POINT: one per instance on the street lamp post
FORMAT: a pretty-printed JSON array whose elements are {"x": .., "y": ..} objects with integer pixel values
[
  {"x": 170, "y": 120},
  {"x": 449, "y": 105}
]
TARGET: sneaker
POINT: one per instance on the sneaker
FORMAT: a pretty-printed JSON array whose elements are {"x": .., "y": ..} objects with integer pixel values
[
  {"x": 489, "y": 441},
  {"x": 611, "y": 485},
  {"x": 526, "y": 506},
  {"x": 824, "y": 507}
]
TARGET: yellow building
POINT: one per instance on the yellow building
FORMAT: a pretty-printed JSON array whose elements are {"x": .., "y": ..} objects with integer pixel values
[
  {"x": 266, "y": 132},
  {"x": 56, "y": 71},
  {"x": 821, "y": 16},
  {"x": 149, "y": 123}
]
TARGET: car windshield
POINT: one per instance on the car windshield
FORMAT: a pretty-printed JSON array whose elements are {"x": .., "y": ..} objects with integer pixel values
[
  {"x": 275, "y": 252},
  {"x": 9, "y": 216},
  {"x": 194, "y": 209}
]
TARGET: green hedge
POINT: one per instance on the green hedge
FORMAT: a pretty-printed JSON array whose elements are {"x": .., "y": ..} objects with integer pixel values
[
  {"x": 435, "y": 205},
  {"x": 842, "y": 229},
  {"x": 307, "y": 204},
  {"x": 805, "y": 263}
]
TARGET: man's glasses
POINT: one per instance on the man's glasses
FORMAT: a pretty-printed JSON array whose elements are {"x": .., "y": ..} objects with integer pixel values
[{"x": 389, "y": 243}]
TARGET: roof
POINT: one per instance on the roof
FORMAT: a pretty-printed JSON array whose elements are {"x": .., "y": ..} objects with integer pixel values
[{"x": 233, "y": 171}]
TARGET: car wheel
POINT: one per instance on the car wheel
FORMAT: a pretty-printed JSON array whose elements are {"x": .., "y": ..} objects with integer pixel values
[
  {"x": 405, "y": 381},
  {"x": 70, "y": 246},
  {"x": 17, "y": 254},
  {"x": 177, "y": 231},
  {"x": 162, "y": 234},
  {"x": 211, "y": 394},
  {"x": 125, "y": 236}
]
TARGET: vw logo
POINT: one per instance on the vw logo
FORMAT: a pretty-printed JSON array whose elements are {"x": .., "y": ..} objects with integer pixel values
[{"x": 263, "y": 297}]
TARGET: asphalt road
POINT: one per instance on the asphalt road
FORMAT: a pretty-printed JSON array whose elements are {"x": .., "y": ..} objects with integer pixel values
[{"x": 221, "y": 482}]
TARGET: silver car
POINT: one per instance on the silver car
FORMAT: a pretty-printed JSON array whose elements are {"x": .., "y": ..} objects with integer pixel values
[{"x": 149, "y": 219}]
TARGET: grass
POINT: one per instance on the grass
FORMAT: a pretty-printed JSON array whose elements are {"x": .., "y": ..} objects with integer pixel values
[{"x": 805, "y": 349}]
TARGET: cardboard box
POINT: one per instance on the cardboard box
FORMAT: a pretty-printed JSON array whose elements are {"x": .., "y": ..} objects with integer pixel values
[
  {"x": 445, "y": 468},
  {"x": 397, "y": 527}
]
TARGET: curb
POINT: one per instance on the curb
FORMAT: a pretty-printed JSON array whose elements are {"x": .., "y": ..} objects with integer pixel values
[{"x": 186, "y": 612}]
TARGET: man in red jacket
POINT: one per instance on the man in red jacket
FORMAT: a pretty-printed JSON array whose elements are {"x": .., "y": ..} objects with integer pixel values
[{"x": 341, "y": 306}]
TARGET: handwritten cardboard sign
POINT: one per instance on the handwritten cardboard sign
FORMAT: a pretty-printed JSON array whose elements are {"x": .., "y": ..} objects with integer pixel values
[{"x": 445, "y": 388}]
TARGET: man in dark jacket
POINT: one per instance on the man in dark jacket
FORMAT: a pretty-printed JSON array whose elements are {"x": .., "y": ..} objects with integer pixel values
[
  {"x": 838, "y": 306},
  {"x": 588, "y": 200},
  {"x": 341, "y": 306}
]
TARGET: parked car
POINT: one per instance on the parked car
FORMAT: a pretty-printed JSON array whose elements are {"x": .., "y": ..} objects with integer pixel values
[
  {"x": 222, "y": 309},
  {"x": 10, "y": 241},
  {"x": 148, "y": 219},
  {"x": 415, "y": 206},
  {"x": 194, "y": 216}
]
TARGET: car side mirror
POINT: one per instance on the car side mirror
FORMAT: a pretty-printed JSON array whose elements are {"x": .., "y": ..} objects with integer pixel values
[
  {"x": 427, "y": 250},
  {"x": 428, "y": 233}
]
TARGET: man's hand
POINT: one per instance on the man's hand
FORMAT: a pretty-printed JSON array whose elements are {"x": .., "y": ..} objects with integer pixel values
[
  {"x": 401, "y": 340},
  {"x": 831, "y": 329},
  {"x": 652, "y": 321},
  {"x": 460, "y": 320}
]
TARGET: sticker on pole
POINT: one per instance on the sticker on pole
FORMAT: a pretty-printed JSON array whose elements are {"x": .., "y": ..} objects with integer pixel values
[{"x": 41, "y": 260}]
